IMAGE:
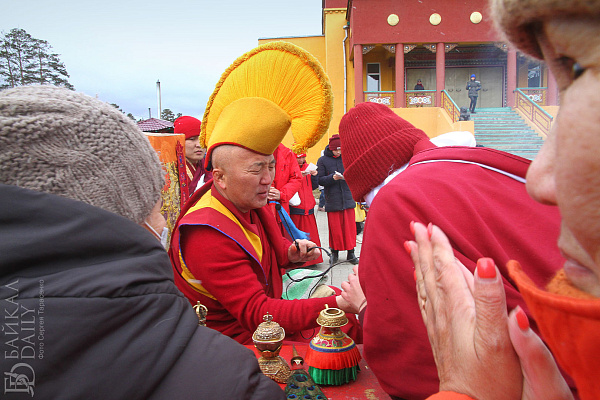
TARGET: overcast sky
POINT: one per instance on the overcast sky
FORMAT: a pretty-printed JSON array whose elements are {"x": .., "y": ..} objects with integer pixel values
[{"x": 118, "y": 49}]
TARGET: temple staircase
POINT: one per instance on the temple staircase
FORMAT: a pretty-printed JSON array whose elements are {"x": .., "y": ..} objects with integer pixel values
[{"x": 503, "y": 129}]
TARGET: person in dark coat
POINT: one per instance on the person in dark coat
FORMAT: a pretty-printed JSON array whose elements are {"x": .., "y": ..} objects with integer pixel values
[
  {"x": 87, "y": 294},
  {"x": 339, "y": 203},
  {"x": 473, "y": 87},
  {"x": 419, "y": 85}
]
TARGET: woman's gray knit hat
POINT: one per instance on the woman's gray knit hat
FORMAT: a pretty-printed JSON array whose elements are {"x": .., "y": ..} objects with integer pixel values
[{"x": 58, "y": 141}]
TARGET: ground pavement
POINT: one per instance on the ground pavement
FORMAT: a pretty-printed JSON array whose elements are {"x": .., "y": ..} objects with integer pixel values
[{"x": 340, "y": 271}]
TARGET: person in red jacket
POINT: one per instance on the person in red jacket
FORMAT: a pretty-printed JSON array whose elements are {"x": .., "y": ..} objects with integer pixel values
[
  {"x": 303, "y": 214},
  {"x": 481, "y": 352},
  {"x": 477, "y": 195}
]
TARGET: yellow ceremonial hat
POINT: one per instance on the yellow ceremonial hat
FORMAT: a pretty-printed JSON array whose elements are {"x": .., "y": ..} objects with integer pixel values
[{"x": 264, "y": 93}]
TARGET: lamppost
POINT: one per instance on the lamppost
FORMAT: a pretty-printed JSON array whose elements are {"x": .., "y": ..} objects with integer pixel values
[{"x": 158, "y": 98}]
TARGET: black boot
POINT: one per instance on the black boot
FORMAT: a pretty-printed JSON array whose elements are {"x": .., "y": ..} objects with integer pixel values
[
  {"x": 351, "y": 258},
  {"x": 334, "y": 256}
]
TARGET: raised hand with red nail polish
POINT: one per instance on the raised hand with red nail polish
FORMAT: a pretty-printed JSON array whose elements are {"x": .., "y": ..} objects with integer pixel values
[{"x": 466, "y": 320}]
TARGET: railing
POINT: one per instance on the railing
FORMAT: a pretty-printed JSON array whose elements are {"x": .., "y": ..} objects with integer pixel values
[
  {"x": 420, "y": 98},
  {"x": 537, "y": 95},
  {"x": 450, "y": 106},
  {"x": 533, "y": 111},
  {"x": 385, "y": 98}
]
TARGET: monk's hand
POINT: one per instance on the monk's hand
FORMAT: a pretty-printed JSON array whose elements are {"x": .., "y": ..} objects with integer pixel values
[
  {"x": 353, "y": 293},
  {"x": 274, "y": 194},
  {"x": 541, "y": 376},
  {"x": 303, "y": 250},
  {"x": 466, "y": 319}
]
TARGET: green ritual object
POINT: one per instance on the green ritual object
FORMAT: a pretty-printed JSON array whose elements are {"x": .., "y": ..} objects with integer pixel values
[
  {"x": 300, "y": 385},
  {"x": 332, "y": 355}
]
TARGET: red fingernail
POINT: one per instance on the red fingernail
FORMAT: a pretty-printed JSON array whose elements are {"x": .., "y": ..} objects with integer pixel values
[
  {"x": 522, "y": 319},
  {"x": 412, "y": 227},
  {"x": 407, "y": 247},
  {"x": 486, "y": 268},
  {"x": 415, "y": 273},
  {"x": 430, "y": 230}
]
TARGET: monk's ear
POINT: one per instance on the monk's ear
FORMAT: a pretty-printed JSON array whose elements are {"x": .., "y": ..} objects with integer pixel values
[{"x": 219, "y": 178}]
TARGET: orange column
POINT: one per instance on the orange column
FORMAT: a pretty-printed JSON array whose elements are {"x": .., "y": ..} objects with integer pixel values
[
  {"x": 511, "y": 76},
  {"x": 400, "y": 97},
  {"x": 552, "y": 95},
  {"x": 359, "y": 96},
  {"x": 440, "y": 73}
]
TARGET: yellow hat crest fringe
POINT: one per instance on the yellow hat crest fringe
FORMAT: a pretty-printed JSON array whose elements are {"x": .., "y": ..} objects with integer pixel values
[{"x": 282, "y": 85}]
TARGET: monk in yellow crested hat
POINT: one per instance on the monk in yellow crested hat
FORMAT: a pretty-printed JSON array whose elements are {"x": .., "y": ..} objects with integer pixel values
[
  {"x": 264, "y": 93},
  {"x": 227, "y": 249}
]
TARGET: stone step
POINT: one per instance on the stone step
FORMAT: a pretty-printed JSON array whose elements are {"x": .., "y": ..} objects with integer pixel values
[
  {"x": 496, "y": 142},
  {"x": 503, "y": 129},
  {"x": 492, "y": 119},
  {"x": 516, "y": 147},
  {"x": 508, "y": 135}
]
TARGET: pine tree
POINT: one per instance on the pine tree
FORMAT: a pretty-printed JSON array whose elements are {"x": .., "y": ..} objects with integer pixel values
[
  {"x": 167, "y": 115},
  {"x": 25, "y": 60}
]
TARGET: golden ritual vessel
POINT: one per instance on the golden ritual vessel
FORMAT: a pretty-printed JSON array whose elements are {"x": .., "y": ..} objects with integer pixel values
[
  {"x": 268, "y": 338},
  {"x": 332, "y": 355}
]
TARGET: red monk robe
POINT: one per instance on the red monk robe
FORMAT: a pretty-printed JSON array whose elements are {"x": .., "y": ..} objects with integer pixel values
[
  {"x": 287, "y": 181},
  {"x": 232, "y": 262},
  {"x": 303, "y": 215}
]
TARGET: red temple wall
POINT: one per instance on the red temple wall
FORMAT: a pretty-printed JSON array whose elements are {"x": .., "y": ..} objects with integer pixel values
[{"x": 368, "y": 21}]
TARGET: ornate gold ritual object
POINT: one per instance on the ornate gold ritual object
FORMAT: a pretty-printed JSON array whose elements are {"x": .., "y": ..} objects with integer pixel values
[
  {"x": 201, "y": 312},
  {"x": 268, "y": 338}
]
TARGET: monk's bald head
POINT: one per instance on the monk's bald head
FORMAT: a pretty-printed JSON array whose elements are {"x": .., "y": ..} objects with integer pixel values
[{"x": 224, "y": 156}]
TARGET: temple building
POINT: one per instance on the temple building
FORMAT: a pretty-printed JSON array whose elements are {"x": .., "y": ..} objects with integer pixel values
[{"x": 377, "y": 50}]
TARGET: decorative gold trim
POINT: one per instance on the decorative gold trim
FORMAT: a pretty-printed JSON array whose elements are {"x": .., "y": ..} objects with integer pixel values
[
  {"x": 390, "y": 47},
  {"x": 409, "y": 47},
  {"x": 367, "y": 48},
  {"x": 431, "y": 47},
  {"x": 435, "y": 19},
  {"x": 335, "y": 10},
  {"x": 476, "y": 17},
  {"x": 449, "y": 47},
  {"x": 502, "y": 46},
  {"x": 332, "y": 317}
]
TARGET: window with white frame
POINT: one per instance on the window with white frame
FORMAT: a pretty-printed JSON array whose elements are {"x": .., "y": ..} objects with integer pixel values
[{"x": 373, "y": 77}]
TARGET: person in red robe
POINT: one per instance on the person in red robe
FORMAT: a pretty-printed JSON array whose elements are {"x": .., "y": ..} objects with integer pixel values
[
  {"x": 286, "y": 184},
  {"x": 303, "y": 214},
  {"x": 229, "y": 253},
  {"x": 476, "y": 195},
  {"x": 226, "y": 249},
  {"x": 194, "y": 152}
]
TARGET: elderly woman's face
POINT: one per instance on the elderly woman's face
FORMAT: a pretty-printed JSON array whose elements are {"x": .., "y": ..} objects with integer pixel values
[{"x": 567, "y": 170}]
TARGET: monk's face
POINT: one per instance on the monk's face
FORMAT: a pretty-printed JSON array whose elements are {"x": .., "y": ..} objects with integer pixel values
[
  {"x": 246, "y": 178},
  {"x": 193, "y": 151},
  {"x": 566, "y": 172}
]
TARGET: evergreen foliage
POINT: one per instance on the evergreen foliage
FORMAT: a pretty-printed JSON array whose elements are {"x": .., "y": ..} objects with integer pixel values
[{"x": 25, "y": 60}]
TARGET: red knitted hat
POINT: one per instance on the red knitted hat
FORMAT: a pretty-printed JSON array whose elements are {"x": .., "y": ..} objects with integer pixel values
[
  {"x": 187, "y": 125},
  {"x": 334, "y": 142},
  {"x": 375, "y": 142}
]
